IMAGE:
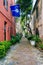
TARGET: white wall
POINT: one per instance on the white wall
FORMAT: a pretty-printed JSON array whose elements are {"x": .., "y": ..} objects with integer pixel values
[{"x": 18, "y": 27}]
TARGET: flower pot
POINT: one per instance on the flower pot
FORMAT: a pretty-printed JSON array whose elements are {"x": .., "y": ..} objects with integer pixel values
[{"x": 32, "y": 42}]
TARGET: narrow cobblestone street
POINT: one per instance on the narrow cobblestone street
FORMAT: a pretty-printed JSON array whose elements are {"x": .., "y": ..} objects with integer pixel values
[{"x": 23, "y": 54}]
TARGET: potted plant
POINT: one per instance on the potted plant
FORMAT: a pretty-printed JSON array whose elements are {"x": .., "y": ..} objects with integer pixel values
[
  {"x": 33, "y": 39},
  {"x": 41, "y": 46},
  {"x": 30, "y": 38}
]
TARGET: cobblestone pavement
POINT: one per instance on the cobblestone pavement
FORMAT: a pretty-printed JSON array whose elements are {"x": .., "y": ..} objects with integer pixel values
[{"x": 23, "y": 54}]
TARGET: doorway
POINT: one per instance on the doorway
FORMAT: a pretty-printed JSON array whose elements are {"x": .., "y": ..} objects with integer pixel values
[{"x": 5, "y": 30}]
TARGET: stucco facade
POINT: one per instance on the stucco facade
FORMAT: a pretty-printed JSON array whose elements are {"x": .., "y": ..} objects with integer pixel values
[
  {"x": 38, "y": 17},
  {"x": 7, "y": 22}
]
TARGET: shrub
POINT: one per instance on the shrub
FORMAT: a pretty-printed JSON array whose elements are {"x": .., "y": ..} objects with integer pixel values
[
  {"x": 41, "y": 46},
  {"x": 19, "y": 35},
  {"x": 26, "y": 34},
  {"x": 29, "y": 37},
  {"x": 13, "y": 39},
  {"x": 1, "y": 43},
  {"x": 7, "y": 44},
  {"x": 34, "y": 38},
  {"x": 17, "y": 38},
  {"x": 4, "y": 46},
  {"x": 2, "y": 51}
]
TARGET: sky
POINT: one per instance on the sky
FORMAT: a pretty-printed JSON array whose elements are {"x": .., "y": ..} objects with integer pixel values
[
  {"x": 34, "y": 2},
  {"x": 15, "y": 0}
]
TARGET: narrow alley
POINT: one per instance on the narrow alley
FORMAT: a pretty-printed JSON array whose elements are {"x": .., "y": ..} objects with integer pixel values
[
  {"x": 21, "y": 32},
  {"x": 23, "y": 54}
]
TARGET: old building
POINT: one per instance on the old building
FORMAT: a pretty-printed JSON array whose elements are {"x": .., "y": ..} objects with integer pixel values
[
  {"x": 7, "y": 22},
  {"x": 37, "y": 18}
]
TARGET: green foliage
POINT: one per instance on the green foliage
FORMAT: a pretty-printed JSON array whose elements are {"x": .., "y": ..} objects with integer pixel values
[
  {"x": 2, "y": 51},
  {"x": 33, "y": 37},
  {"x": 36, "y": 38},
  {"x": 26, "y": 7},
  {"x": 19, "y": 35},
  {"x": 22, "y": 17},
  {"x": 7, "y": 44},
  {"x": 24, "y": 4},
  {"x": 29, "y": 37},
  {"x": 4, "y": 46},
  {"x": 41, "y": 46},
  {"x": 26, "y": 34},
  {"x": 15, "y": 39}
]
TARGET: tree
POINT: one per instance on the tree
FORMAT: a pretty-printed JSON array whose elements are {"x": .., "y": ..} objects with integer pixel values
[{"x": 26, "y": 7}]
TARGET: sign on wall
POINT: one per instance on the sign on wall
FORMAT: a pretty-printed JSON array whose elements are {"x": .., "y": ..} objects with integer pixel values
[{"x": 15, "y": 9}]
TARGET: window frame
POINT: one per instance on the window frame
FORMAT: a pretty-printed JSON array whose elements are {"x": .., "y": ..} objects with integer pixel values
[{"x": 5, "y": 3}]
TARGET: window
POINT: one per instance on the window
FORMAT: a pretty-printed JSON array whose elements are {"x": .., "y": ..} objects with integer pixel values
[
  {"x": 6, "y": 4},
  {"x": 37, "y": 12}
]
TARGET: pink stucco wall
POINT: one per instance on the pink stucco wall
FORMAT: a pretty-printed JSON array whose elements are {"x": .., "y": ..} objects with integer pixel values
[{"x": 5, "y": 15}]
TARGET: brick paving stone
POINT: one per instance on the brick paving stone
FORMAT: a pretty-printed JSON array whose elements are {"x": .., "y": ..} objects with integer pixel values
[{"x": 23, "y": 54}]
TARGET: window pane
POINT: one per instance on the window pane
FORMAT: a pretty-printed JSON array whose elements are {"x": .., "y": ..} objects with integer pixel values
[{"x": 6, "y": 4}]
